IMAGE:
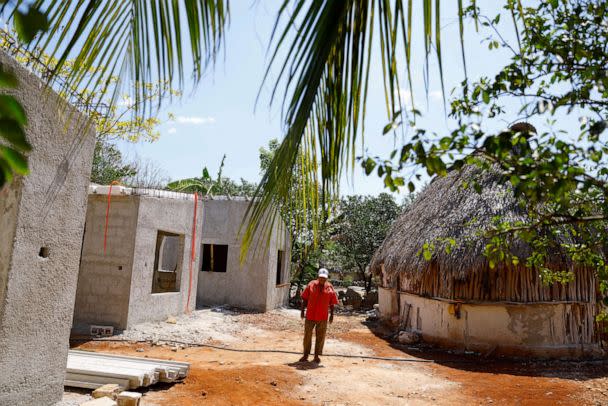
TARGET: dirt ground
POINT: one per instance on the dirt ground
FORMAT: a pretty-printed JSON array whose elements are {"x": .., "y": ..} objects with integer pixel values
[{"x": 422, "y": 376}]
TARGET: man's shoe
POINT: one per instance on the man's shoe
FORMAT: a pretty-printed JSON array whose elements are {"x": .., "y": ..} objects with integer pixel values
[
  {"x": 303, "y": 359},
  {"x": 317, "y": 360}
]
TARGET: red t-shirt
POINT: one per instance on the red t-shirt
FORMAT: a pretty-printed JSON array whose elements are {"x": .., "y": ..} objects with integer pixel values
[{"x": 319, "y": 300}]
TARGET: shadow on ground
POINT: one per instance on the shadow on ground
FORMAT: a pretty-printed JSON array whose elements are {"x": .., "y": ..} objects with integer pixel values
[
  {"x": 304, "y": 366},
  {"x": 568, "y": 369}
]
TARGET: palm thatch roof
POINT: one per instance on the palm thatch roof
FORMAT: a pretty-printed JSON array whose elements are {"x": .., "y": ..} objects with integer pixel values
[{"x": 447, "y": 209}]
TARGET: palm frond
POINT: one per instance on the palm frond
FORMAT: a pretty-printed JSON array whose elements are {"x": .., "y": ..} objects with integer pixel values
[
  {"x": 325, "y": 73},
  {"x": 114, "y": 45}
]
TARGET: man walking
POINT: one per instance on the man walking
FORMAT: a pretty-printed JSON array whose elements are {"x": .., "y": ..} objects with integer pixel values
[{"x": 318, "y": 297}]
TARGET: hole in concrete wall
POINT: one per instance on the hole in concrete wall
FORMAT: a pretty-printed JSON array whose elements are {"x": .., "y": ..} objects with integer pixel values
[
  {"x": 167, "y": 262},
  {"x": 120, "y": 267},
  {"x": 215, "y": 258},
  {"x": 280, "y": 267},
  {"x": 44, "y": 252}
]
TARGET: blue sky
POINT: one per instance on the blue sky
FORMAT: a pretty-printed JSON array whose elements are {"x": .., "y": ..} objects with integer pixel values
[{"x": 220, "y": 116}]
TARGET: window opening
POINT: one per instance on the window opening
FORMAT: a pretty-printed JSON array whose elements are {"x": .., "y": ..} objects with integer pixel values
[
  {"x": 168, "y": 262},
  {"x": 279, "y": 267},
  {"x": 215, "y": 258}
]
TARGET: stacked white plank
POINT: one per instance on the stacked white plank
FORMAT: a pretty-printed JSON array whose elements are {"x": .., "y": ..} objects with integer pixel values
[{"x": 91, "y": 370}]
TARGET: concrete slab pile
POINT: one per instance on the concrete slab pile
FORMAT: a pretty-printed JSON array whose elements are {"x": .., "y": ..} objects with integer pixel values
[{"x": 93, "y": 370}]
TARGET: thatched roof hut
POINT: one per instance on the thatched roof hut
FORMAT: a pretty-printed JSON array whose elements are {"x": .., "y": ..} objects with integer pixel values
[{"x": 506, "y": 307}]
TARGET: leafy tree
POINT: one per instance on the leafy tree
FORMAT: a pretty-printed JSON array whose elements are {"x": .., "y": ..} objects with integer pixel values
[
  {"x": 558, "y": 72},
  {"x": 108, "y": 164},
  {"x": 360, "y": 228},
  {"x": 311, "y": 246}
]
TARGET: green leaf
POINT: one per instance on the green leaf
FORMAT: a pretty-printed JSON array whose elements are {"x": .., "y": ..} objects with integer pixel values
[
  {"x": 411, "y": 187},
  {"x": 427, "y": 254},
  {"x": 30, "y": 24},
  {"x": 485, "y": 96},
  {"x": 369, "y": 166},
  {"x": 387, "y": 128},
  {"x": 16, "y": 160},
  {"x": 11, "y": 109},
  {"x": 11, "y": 131},
  {"x": 7, "y": 78},
  {"x": 6, "y": 172},
  {"x": 597, "y": 128}
]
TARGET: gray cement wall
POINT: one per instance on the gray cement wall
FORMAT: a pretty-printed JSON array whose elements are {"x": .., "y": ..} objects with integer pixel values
[
  {"x": 44, "y": 209},
  {"x": 174, "y": 216},
  {"x": 109, "y": 295},
  {"x": 278, "y": 295},
  {"x": 104, "y": 281},
  {"x": 250, "y": 285}
]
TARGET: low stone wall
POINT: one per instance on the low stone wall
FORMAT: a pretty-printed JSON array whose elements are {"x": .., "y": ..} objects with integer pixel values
[{"x": 533, "y": 329}]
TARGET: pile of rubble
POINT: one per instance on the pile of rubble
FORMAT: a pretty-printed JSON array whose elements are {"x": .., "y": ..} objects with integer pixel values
[{"x": 355, "y": 298}]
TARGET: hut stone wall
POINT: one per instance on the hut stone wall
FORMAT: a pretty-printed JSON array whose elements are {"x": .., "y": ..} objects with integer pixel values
[{"x": 530, "y": 329}]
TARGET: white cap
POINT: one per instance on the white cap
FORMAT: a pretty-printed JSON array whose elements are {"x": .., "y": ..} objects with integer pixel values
[{"x": 323, "y": 273}]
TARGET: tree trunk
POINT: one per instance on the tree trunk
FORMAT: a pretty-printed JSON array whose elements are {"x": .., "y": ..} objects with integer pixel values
[{"x": 365, "y": 278}]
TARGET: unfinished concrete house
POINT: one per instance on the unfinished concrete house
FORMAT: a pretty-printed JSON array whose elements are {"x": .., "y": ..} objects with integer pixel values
[
  {"x": 456, "y": 299},
  {"x": 137, "y": 257},
  {"x": 262, "y": 281},
  {"x": 41, "y": 225}
]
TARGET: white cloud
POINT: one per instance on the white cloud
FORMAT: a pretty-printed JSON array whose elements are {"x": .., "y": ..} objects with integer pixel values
[
  {"x": 172, "y": 130},
  {"x": 195, "y": 120},
  {"x": 406, "y": 97},
  {"x": 436, "y": 95}
]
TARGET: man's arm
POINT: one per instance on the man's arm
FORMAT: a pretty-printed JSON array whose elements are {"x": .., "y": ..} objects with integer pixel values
[
  {"x": 304, "y": 298},
  {"x": 302, "y": 307},
  {"x": 333, "y": 301}
]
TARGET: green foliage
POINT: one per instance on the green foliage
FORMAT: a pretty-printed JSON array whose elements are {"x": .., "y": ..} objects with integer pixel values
[
  {"x": 98, "y": 48},
  {"x": 360, "y": 228},
  {"x": 108, "y": 164},
  {"x": 13, "y": 143},
  {"x": 121, "y": 120},
  {"x": 326, "y": 50},
  {"x": 557, "y": 72}
]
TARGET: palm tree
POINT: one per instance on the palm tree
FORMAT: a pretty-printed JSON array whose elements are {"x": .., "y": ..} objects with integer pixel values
[{"x": 325, "y": 72}]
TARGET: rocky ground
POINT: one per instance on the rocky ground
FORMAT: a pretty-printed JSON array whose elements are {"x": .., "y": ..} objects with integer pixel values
[{"x": 412, "y": 375}]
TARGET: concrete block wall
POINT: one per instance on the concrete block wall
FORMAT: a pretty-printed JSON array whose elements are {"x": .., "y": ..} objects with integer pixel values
[
  {"x": 278, "y": 294},
  {"x": 116, "y": 289},
  {"x": 174, "y": 216},
  {"x": 104, "y": 281},
  {"x": 251, "y": 285},
  {"x": 41, "y": 226}
]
